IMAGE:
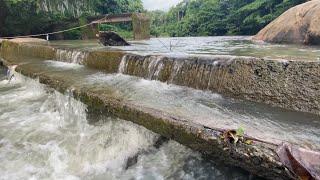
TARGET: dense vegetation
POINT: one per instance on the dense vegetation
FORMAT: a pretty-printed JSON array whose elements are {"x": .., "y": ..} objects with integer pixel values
[
  {"x": 22, "y": 17},
  {"x": 189, "y": 18},
  {"x": 218, "y": 17}
]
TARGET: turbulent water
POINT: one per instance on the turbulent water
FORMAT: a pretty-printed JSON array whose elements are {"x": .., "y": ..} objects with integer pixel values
[
  {"x": 202, "y": 107},
  {"x": 46, "y": 135},
  {"x": 213, "y": 110}
]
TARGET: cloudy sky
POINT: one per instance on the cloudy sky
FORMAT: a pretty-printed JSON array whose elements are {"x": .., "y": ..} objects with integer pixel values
[{"x": 159, "y": 4}]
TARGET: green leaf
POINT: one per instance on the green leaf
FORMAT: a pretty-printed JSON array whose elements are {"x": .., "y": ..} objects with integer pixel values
[{"x": 240, "y": 131}]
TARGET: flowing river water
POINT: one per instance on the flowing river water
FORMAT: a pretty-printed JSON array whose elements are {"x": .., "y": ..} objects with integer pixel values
[
  {"x": 205, "y": 46},
  {"x": 46, "y": 135}
]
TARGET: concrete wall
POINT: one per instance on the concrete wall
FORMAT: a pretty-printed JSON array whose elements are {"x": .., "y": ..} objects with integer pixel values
[
  {"x": 141, "y": 26},
  {"x": 293, "y": 85}
]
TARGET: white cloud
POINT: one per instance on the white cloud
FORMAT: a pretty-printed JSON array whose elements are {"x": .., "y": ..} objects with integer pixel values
[{"x": 159, "y": 4}]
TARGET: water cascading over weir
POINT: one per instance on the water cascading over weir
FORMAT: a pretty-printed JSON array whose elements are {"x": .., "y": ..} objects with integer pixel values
[{"x": 186, "y": 108}]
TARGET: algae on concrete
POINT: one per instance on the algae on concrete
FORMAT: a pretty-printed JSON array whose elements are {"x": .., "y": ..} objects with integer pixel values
[{"x": 292, "y": 85}]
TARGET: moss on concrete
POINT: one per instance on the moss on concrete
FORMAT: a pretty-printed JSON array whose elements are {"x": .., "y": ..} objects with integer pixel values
[
  {"x": 14, "y": 50},
  {"x": 289, "y": 84},
  {"x": 104, "y": 60}
]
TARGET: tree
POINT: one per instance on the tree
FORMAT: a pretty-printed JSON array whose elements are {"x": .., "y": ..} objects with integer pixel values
[
  {"x": 3, "y": 15},
  {"x": 222, "y": 17},
  {"x": 23, "y": 17}
]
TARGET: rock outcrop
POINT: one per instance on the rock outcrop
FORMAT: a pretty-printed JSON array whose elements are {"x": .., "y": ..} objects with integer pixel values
[
  {"x": 109, "y": 38},
  {"x": 299, "y": 25}
]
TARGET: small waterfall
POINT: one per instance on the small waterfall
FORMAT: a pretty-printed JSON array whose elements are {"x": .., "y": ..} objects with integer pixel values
[
  {"x": 148, "y": 67},
  {"x": 175, "y": 70},
  {"x": 71, "y": 56},
  {"x": 10, "y": 73},
  {"x": 72, "y": 112},
  {"x": 123, "y": 65},
  {"x": 155, "y": 67},
  {"x": 178, "y": 71}
]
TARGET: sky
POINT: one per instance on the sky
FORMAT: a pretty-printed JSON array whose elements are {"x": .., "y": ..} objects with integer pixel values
[{"x": 159, "y": 4}]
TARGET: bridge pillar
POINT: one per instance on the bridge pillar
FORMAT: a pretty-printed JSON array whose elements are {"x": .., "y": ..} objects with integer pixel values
[
  {"x": 88, "y": 32},
  {"x": 141, "y": 26}
]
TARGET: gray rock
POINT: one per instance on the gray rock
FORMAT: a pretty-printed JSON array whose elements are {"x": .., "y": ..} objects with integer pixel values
[{"x": 299, "y": 25}]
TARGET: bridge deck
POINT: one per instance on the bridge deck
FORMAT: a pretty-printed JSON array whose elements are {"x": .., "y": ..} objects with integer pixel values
[{"x": 115, "y": 18}]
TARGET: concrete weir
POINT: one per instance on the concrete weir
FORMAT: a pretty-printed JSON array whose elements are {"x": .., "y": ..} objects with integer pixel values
[{"x": 289, "y": 84}]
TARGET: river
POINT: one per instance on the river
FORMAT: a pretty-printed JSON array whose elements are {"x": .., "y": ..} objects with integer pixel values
[{"x": 47, "y": 135}]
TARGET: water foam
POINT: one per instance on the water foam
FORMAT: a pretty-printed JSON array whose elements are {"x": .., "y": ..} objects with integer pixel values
[
  {"x": 63, "y": 65},
  {"x": 45, "y": 135},
  {"x": 71, "y": 56}
]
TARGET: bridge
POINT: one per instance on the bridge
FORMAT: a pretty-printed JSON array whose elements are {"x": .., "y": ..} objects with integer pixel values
[{"x": 140, "y": 23}]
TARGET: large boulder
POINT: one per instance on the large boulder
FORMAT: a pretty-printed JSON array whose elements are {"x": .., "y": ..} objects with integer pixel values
[
  {"x": 299, "y": 25},
  {"x": 109, "y": 38}
]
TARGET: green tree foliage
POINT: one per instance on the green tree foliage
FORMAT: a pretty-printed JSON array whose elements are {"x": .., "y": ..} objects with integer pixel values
[
  {"x": 3, "y": 15},
  {"x": 23, "y": 17},
  {"x": 158, "y": 19},
  {"x": 220, "y": 17},
  {"x": 117, "y": 6}
]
